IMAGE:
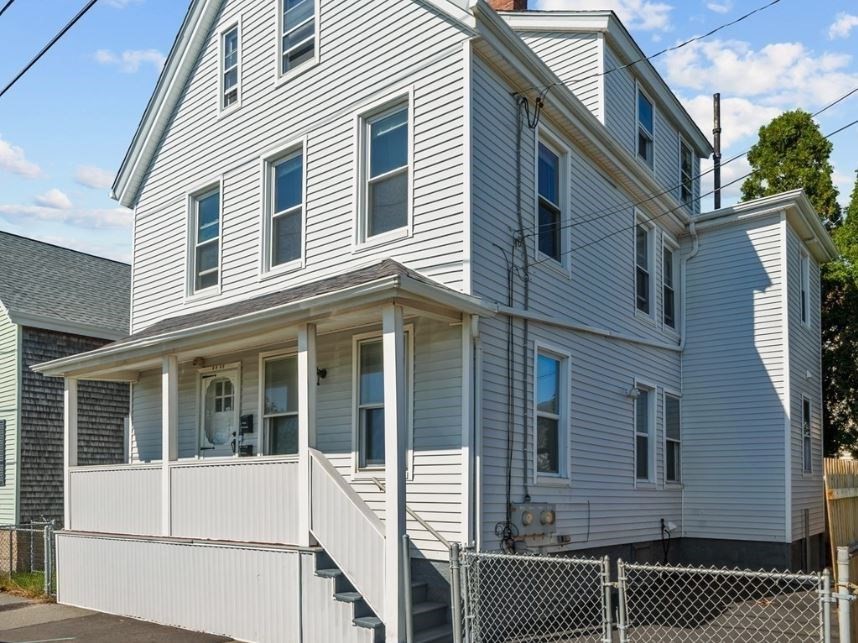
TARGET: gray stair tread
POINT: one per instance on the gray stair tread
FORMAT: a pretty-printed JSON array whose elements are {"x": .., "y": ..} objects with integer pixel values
[
  {"x": 370, "y": 622},
  {"x": 348, "y": 597},
  {"x": 416, "y": 584},
  {"x": 440, "y": 633},
  {"x": 329, "y": 573},
  {"x": 427, "y": 606}
]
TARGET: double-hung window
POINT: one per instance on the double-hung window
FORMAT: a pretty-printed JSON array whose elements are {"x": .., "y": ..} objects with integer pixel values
[
  {"x": 551, "y": 404},
  {"x": 550, "y": 215},
  {"x": 644, "y": 405},
  {"x": 686, "y": 173},
  {"x": 669, "y": 270},
  {"x": 805, "y": 288},
  {"x": 285, "y": 219},
  {"x": 297, "y": 33},
  {"x": 386, "y": 189},
  {"x": 231, "y": 73},
  {"x": 643, "y": 266},
  {"x": 646, "y": 129},
  {"x": 280, "y": 404},
  {"x": 806, "y": 443},
  {"x": 206, "y": 210},
  {"x": 672, "y": 459}
]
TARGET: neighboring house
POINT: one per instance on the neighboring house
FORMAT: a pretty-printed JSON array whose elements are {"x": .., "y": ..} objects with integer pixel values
[
  {"x": 332, "y": 319},
  {"x": 55, "y": 303}
]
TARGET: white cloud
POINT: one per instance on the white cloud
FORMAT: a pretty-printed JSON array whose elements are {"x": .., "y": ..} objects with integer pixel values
[
  {"x": 13, "y": 159},
  {"x": 720, "y": 7},
  {"x": 635, "y": 14},
  {"x": 56, "y": 199},
  {"x": 740, "y": 117},
  {"x": 130, "y": 60},
  {"x": 121, "y": 4},
  {"x": 85, "y": 218},
  {"x": 842, "y": 25},
  {"x": 783, "y": 74},
  {"x": 93, "y": 177}
]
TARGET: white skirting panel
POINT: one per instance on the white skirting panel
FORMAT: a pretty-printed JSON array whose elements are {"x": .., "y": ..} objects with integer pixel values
[
  {"x": 241, "y": 591},
  {"x": 116, "y": 500}
]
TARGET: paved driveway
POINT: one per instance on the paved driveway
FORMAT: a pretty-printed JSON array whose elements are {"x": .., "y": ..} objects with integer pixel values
[{"x": 23, "y": 621}]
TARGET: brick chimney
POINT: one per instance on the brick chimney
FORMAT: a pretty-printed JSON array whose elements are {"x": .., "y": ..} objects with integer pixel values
[{"x": 508, "y": 5}]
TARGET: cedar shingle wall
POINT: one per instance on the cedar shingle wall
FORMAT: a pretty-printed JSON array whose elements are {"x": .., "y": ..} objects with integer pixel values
[{"x": 102, "y": 408}]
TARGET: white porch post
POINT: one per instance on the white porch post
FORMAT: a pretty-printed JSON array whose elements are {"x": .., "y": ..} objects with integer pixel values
[
  {"x": 69, "y": 445},
  {"x": 306, "y": 425},
  {"x": 169, "y": 432},
  {"x": 395, "y": 442}
]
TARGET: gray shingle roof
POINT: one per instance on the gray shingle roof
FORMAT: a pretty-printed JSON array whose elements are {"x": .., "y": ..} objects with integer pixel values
[{"x": 62, "y": 287}]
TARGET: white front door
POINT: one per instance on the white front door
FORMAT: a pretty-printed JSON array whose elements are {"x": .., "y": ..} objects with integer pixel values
[{"x": 219, "y": 413}]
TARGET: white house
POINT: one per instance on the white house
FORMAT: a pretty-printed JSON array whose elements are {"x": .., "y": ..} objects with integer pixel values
[{"x": 418, "y": 266}]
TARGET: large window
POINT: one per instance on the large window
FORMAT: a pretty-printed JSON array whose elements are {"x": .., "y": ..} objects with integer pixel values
[
  {"x": 280, "y": 405},
  {"x": 806, "y": 442},
  {"x": 643, "y": 267},
  {"x": 550, "y": 214},
  {"x": 206, "y": 240},
  {"x": 644, "y": 405},
  {"x": 646, "y": 128},
  {"x": 686, "y": 173},
  {"x": 386, "y": 174},
  {"x": 551, "y": 411},
  {"x": 672, "y": 429},
  {"x": 285, "y": 224},
  {"x": 670, "y": 277},
  {"x": 231, "y": 74},
  {"x": 298, "y": 33},
  {"x": 805, "y": 288}
]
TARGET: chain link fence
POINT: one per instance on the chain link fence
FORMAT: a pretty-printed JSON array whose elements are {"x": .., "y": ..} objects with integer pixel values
[
  {"x": 27, "y": 561},
  {"x": 555, "y": 599}
]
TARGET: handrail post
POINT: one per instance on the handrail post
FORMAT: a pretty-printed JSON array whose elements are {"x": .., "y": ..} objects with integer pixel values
[
  {"x": 306, "y": 425},
  {"x": 406, "y": 581},
  {"x": 843, "y": 596},
  {"x": 456, "y": 592}
]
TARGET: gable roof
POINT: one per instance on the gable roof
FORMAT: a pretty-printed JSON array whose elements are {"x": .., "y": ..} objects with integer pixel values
[{"x": 46, "y": 286}]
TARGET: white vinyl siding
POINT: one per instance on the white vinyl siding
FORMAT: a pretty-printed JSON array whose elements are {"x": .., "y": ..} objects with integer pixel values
[{"x": 10, "y": 382}]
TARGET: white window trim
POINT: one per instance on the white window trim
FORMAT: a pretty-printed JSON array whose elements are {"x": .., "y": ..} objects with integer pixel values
[
  {"x": 261, "y": 434},
  {"x": 669, "y": 243},
  {"x": 563, "y": 477},
  {"x": 808, "y": 470},
  {"x": 234, "y": 24},
  {"x": 666, "y": 392},
  {"x": 804, "y": 287},
  {"x": 208, "y": 370},
  {"x": 279, "y": 76},
  {"x": 651, "y": 434},
  {"x": 650, "y": 317},
  {"x": 690, "y": 203},
  {"x": 367, "y": 473},
  {"x": 553, "y": 142},
  {"x": 640, "y": 90},
  {"x": 191, "y": 197},
  {"x": 267, "y": 162},
  {"x": 360, "y": 241}
]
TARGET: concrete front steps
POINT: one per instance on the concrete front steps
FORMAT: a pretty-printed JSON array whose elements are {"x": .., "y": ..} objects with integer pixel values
[{"x": 430, "y": 618}]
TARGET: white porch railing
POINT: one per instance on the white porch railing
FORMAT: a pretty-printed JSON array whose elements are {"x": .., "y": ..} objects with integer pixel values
[
  {"x": 122, "y": 499},
  {"x": 350, "y": 532}
]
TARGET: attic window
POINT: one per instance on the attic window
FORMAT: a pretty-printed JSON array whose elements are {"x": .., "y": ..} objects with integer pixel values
[
  {"x": 230, "y": 78},
  {"x": 646, "y": 128},
  {"x": 298, "y": 33}
]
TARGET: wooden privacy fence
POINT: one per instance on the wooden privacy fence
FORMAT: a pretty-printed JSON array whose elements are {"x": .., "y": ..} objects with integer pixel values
[{"x": 841, "y": 494}]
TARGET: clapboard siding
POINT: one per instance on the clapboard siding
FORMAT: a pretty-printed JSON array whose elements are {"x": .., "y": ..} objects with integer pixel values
[
  {"x": 805, "y": 353},
  {"x": 734, "y": 385},
  {"x": 366, "y": 56},
  {"x": 576, "y": 58},
  {"x": 10, "y": 339},
  {"x": 602, "y": 506},
  {"x": 435, "y": 489},
  {"x": 102, "y": 409}
]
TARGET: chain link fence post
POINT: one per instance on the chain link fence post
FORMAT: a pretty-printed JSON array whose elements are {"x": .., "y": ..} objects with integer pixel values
[
  {"x": 827, "y": 600},
  {"x": 608, "y": 589},
  {"x": 456, "y": 590},
  {"x": 844, "y": 597},
  {"x": 622, "y": 617}
]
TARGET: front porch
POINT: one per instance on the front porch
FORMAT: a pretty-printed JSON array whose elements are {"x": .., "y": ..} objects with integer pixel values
[{"x": 308, "y": 428}]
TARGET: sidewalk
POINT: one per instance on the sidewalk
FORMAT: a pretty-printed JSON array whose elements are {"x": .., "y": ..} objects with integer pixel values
[{"x": 26, "y": 621}]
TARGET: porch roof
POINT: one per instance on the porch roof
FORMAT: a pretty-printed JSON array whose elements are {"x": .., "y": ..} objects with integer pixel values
[{"x": 329, "y": 302}]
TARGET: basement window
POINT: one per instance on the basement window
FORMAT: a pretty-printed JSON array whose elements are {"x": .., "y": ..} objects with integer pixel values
[{"x": 297, "y": 34}]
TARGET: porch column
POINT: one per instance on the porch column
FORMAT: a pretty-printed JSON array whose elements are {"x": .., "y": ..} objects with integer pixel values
[
  {"x": 306, "y": 425},
  {"x": 69, "y": 445},
  {"x": 169, "y": 432},
  {"x": 395, "y": 442}
]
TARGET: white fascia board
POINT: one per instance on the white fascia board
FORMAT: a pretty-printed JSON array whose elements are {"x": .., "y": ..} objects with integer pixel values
[
  {"x": 455, "y": 9},
  {"x": 619, "y": 38},
  {"x": 618, "y": 162},
  {"x": 800, "y": 214}
]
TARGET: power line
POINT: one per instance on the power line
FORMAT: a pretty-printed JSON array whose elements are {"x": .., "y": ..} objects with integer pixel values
[
  {"x": 50, "y": 44},
  {"x": 672, "y": 210},
  {"x": 6, "y": 6}
]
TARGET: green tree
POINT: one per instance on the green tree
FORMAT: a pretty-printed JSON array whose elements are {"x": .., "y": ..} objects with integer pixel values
[{"x": 792, "y": 153}]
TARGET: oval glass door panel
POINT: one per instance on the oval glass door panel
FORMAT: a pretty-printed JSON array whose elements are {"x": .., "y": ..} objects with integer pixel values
[{"x": 220, "y": 414}]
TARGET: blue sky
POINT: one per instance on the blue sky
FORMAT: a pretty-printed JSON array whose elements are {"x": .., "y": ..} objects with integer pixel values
[{"x": 65, "y": 126}]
